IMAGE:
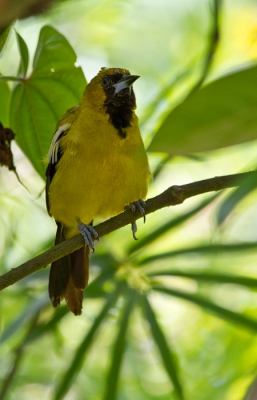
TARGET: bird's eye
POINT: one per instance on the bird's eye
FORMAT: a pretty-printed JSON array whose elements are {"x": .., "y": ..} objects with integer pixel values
[{"x": 105, "y": 80}]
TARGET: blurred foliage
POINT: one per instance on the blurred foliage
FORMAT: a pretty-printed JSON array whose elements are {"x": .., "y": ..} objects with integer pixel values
[{"x": 173, "y": 315}]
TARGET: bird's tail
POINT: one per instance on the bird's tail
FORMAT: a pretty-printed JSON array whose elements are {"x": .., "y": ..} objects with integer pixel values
[{"x": 69, "y": 276}]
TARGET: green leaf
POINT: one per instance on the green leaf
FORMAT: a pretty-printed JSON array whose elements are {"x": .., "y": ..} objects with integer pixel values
[
  {"x": 221, "y": 312},
  {"x": 5, "y": 95},
  {"x": 4, "y": 36},
  {"x": 210, "y": 277},
  {"x": 39, "y": 101},
  {"x": 219, "y": 115},
  {"x": 248, "y": 185},
  {"x": 168, "y": 358},
  {"x": 205, "y": 249},
  {"x": 76, "y": 363},
  {"x": 24, "y": 54},
  {"x": 173, "y": 223},
  {"x": 53, "y": 52},
  {"x": 118, "y": 349}
]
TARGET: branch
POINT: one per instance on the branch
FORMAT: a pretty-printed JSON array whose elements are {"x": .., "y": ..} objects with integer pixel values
[
  {"x": 171, "y": 197},
  {"x": 212, "y": 47},
  {"x": 11, "y": 10},
  {"x": 213, "y": 44}
]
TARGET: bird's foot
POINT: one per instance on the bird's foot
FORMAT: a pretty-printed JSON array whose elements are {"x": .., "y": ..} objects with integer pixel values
[
  {"x": 89, "y": 234},
  {"x": 140, "y": 205}
]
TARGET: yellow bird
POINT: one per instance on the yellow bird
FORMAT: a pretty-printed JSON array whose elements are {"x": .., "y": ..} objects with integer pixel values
[{"x": 97, "y": 167}]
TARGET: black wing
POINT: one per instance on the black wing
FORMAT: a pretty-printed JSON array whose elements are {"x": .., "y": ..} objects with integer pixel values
[{"x": 53, "y": 160}]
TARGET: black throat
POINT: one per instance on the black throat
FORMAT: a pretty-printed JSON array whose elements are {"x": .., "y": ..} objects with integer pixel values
[{"x": 120, "y": 108}]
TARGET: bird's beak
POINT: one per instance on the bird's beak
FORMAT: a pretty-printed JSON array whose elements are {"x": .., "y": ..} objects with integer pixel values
[{"x": 124, "y": 82}]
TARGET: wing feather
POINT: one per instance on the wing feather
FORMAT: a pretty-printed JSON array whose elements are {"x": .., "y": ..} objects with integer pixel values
[
  {"x": 55, "y": 143},
  {"x": 54, "y": 156},
  {"x": 55, "y": 153}
]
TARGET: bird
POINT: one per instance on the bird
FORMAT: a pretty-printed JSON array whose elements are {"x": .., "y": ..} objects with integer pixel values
[{"x": 97, "y": 166}]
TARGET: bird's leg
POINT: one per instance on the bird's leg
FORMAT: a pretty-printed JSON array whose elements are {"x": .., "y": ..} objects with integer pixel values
[
  {"x": 89, "y": 234},
  {"x": 140, "y": 205}
]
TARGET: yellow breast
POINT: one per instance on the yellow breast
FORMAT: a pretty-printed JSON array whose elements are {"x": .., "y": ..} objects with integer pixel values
[{"x": 99, "y": 172}]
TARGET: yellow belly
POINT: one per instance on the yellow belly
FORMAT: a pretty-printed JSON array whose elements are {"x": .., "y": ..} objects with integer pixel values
[{"x": 98, "y": 177}]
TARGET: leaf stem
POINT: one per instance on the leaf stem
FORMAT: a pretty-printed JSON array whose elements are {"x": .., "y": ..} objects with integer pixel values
[{"x": 12, "y": 78}]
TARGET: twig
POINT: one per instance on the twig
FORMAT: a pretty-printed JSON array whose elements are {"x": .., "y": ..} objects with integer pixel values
[
  {"x": 171, "y": 197},
  {"x": 214, "y": 40}
]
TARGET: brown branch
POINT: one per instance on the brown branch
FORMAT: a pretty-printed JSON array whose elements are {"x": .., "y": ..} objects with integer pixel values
[
  {"x": 171, "y": 197},
  {"x": 11, "y": 10}
]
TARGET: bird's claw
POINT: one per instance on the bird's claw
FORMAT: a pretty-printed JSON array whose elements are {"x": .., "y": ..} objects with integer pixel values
[
  {"x": 134, "y": 229},
  {"x": 89, "y": 234},
  {"x": 140, "y": 205}
]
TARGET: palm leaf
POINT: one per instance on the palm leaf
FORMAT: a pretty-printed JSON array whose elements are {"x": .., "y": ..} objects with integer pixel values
[
  {"x": 209, "y": 306},
  {"x": 118, "y": 350},
  {"x": 168, "y": 357},
  {"x": 209, "y": 277},
  {"x": 75, "y": 365}
]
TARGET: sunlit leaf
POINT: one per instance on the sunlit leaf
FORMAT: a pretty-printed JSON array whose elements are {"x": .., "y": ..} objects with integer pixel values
[
  {"x": 168, "y": 358},
  {"x": 219, "y": 115},
  {"x": 53, "y": 52},
  {"x": 204, "y": 249},
  {"x": 209, "y": 277},
  {"x": 39, "y": 101},
  {"x": 118, "y": 349},
  {"x": 221, "y": 312}
]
